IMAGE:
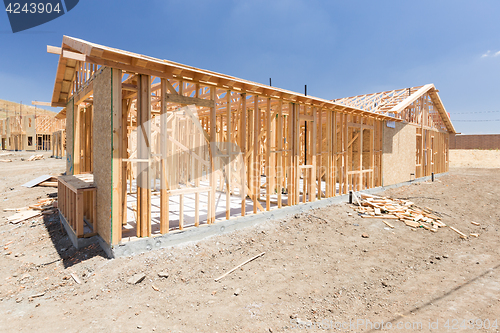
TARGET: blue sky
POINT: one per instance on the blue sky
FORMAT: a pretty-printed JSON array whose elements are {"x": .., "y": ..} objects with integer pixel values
[{"x": 337, "y": 48}]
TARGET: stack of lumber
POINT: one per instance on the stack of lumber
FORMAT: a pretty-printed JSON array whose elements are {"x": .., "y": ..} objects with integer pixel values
[
  {"x": 35, "y": 158},
  {"x": 45, "y": 180},
  {"x": 51, "y": 182},
  {"x": 371, "y": 206},
  {"x": 43, "y": 207}
]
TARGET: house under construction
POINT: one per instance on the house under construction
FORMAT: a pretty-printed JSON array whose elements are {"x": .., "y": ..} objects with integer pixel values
[
  {"x": 156, "y": 148},
  {"x": 29, "y": 132}
]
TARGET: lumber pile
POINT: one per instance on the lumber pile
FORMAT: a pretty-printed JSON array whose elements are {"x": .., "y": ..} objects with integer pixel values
[
  {"x": 51, "y": 182},
  {"x": 35, "y": 158},
  {"x": 43, "y": 207},
  {"x": 371, "y": 206}
]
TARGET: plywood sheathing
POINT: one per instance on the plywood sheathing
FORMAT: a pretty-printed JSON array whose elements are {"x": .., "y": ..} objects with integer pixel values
[
  {"x": 102, "y": 133},
  {"x": 399, "y": 153}
]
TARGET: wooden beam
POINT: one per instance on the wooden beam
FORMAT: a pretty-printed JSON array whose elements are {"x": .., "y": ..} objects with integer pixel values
[
  {"x": 54, "y": 49},
  {"x": 41, "y": 103},
  {"x": 75, "y": 56},
  {"x": 185, "y": 100},
  {"x": 164, "y": 195},
  {"x": 143, "y": 152},
  {"x": 119, "y": 192}
]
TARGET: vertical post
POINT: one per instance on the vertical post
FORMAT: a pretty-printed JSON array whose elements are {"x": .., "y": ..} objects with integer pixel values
[
  {"x": 124, "y": 154},
  {"x": 164, "y": 198},
  {"x": 361, "y": 147},
  {"x": 296, "y": 153},
  {"x": 268, "y": 155},
  {"x": 256, "y": 157},
  {"x": 229, "y": 153},
  {"x": 117, "y": 151},
  {"x": 346, "y": 154},
  {"x": 280, "y": 152},
  {"x": 213, "y": 146},
  {"x": 314, "y": 139},
  {"x": 143, "y": 154},
  {"x": 243, "y": 143},
  {"x": 76, "y": 140}
]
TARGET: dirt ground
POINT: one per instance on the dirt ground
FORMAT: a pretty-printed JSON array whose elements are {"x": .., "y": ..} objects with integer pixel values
[{"x": 317, "y": 274}]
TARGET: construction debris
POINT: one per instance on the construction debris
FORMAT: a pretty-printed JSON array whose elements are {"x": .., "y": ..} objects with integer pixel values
[
  {"x": 44, "y": 206},
  {"x": 243, "y": 263},
  {"x": 19, "y": 217},
  {"x": 5, "y": 161},
  {"x": 35, "y": 158},
  {"x": 475, "y": 223},
  {"x": 77, "y": 280},
  {"x": 137, "y": 278},
  {"x": 45, "y": 180},
  {"x": 462, "y": 235},
  {"x": 372, "y": 206}
]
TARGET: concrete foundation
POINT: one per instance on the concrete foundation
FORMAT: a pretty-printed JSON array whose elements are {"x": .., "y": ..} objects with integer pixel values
[{"x": 193, "y": 234}]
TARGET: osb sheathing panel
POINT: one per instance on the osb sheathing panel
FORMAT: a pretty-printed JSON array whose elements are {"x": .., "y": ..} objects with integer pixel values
[
  {"x": 399, "y": 150},
  {"x": 102, "y": 152},
  {"x": 69, "y": 136}
]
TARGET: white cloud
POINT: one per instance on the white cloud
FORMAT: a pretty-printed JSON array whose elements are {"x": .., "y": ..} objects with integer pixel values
[
  {"x": 486, "y": 54},
  {"x": 491, "y": 54}
]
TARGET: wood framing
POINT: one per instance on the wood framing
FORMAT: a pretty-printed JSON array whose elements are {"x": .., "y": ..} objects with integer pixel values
[{"x": 175, "y": 146}]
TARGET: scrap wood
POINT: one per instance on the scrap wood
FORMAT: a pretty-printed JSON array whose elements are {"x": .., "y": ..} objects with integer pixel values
[
  {"x": 35, "y": 158},
  {"x": 77, "y": 280},
  {"x": 37, "y": 181},
  {"x": 380, "y": 217},
  {"x": 244, "y": 263},
  {"x": 356, "y": 197},
  {"x": 388, "y": 224},
  {"x": 19, "y": 217},
  {"x": 475, "y": 223},
  {"x": 15, "y": 209},
  {"x": 404, "y": 210},
  {"x": 412, "y": 224},
  {"x": 462, "y": 235},
  {"x": 6, "y": 161},
  {"x": 48, "y": 184},
  {"x": 474, "y": 235}
]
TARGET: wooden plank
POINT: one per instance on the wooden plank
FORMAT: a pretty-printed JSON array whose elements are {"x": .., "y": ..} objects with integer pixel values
[
  {"x": 143, "y": 152},
  {"x": 280, "y": 154},
  {"x": 314, "y": 138},
  {"x": 54, "y": 49},
  {"x": 229, "y": 151},
  {"x": 185, "y": 100},
  {"x": 37, "y": 181},
  {"x": 181, "y": 212},
  {"x": 243, "y": 143},
  {"x": 74, "y": 55},
  {"x": 79, "y": 214},
  {"x": 268, "y": 155},
  {"x": 213, "y": 140},
  {"x": 118, "y": 191},
  {"x": 256, "y": 161},
  {"x": 164, "y": 196}
]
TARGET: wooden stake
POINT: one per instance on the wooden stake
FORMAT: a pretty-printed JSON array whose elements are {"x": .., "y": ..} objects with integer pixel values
[{"x": 240, "y": 265}]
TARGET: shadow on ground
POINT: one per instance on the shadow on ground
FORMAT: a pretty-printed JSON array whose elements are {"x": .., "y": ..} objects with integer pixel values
[{"x": 68, "y": 254}]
